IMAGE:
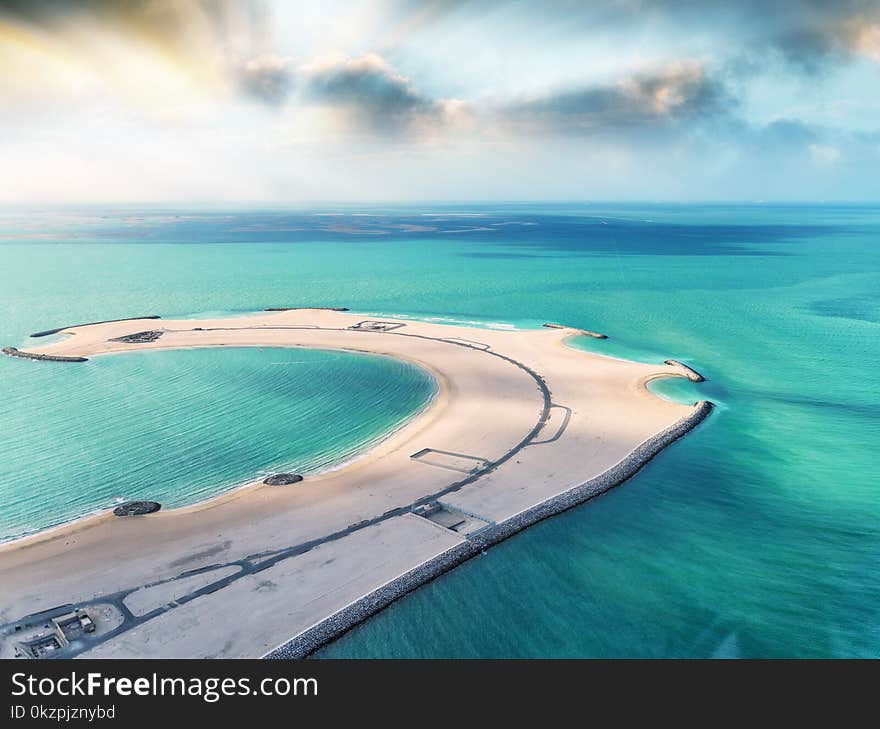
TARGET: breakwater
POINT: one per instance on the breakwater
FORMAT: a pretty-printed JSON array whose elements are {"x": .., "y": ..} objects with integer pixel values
[
  {"x": 311, "y": 308},
  {"x": 356, "y": 612},
  {"x": 13, "y": 352},
  {"x": 585, "y": 332},
  {"x": 691, "y": 373},
  {"x": 90, "y": 323}
]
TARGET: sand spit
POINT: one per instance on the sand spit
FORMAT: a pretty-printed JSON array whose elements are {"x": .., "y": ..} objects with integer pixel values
[
  {"x": 357, "y": 612},
  {"x": 522, "y": 427}
]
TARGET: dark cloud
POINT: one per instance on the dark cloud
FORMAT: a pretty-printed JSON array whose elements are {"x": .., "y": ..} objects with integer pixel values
[
  {"x": 373, "y": 93},
  {"x": 380, "y": 99},
  {"x": 663, "y": 99},
  {"x": 811, "y": 34}
]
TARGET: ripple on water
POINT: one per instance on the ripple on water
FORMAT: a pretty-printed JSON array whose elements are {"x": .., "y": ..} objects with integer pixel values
[{"x": 181, "y": 426}]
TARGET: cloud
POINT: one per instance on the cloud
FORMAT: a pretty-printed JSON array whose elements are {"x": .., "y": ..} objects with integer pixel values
[
  {"x": 371, "y": 95},
  {"x": 134, "y": 87},
  {"x": 659, "y": 99},
  {"x": 267, "y": 78},
  {"x": 806, "y": 33},
  {"x": 866, "y": 40},
  {"x": 813, "y": 34},
  {"x": 374, "y": 95}
]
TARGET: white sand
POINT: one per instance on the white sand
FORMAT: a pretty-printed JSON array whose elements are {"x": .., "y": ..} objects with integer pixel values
[{"x": 486, "y": 406}]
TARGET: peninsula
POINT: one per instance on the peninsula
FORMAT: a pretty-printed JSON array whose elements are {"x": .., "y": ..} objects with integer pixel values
[{"x": 522, "y": 427}]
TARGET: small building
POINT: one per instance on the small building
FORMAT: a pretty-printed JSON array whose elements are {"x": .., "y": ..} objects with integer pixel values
[
  {"x": 41, "y": 646},
  {"x": 62, "y": 630},
  {"x": 71, "y": 626}
]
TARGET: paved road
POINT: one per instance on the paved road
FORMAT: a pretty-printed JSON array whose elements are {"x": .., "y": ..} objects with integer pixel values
[{"x": 258, "y": 562}]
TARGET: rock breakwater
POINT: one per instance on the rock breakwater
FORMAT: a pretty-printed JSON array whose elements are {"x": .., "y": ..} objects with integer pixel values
[
  {"x": 585, "y": 332},
  {"x": 13, "y": 352},
  {"x": 335, "y": 625},
  {"x": 690, "y": 373}
]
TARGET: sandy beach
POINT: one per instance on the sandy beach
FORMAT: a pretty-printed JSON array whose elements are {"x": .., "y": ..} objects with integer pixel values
[{"x": 519, "y": 419}]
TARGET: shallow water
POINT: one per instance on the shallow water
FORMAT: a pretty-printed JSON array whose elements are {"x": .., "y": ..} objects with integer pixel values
[
  {"x": 181, "y": 426},
  {"x": 757, "y": 535}
]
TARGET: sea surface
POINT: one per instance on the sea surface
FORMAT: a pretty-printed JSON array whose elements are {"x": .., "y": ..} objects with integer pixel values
[
  {"x": 179, "y": 427},
  {"x": 757, "y": 535}
]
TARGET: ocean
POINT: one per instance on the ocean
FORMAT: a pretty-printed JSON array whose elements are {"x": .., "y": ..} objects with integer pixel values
[{"x": 757, "y": 535}]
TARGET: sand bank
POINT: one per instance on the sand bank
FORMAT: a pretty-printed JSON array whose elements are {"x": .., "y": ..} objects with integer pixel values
[{"x": 523, "y": 426}]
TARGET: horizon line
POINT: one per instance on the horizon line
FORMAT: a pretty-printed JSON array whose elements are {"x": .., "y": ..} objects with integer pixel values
[{"x": 304, "y": 205}]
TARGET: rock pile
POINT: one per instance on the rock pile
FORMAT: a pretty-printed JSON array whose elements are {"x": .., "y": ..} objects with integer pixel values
[
  {"x": 13, "y": 352},
  {"x": 137, "y": 508},
  {"x": 283, "y": 479},
  {"x": 140, "y": 337}
]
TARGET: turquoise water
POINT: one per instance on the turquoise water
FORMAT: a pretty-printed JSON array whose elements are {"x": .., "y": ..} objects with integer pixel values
[
  {"x": 757, "y": 535},
  {"x": 181, "y": 426}
]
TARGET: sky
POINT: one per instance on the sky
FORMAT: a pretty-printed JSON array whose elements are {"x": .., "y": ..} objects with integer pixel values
[{"x": 174, "y": 102}]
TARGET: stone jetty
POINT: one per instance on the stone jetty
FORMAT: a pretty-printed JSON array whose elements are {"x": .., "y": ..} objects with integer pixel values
[
  {"x": 13, "y": 352},
  {"x": 335, "y": 625},
  {"x": 310, "y": 308},
  {"x": 585, "y": 332},
  {"x": 690, "y": 373}
]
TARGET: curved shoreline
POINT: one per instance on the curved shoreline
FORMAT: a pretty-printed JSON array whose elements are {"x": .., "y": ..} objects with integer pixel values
[
  {"x": 241, "y": 488},
  {"x": 519, "y": 416},
  {"x": 336, "y": 625}
]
